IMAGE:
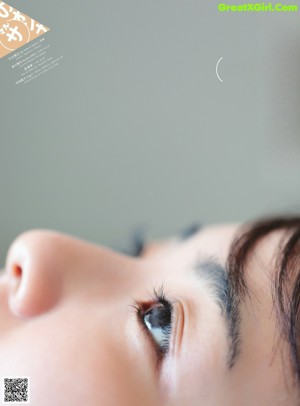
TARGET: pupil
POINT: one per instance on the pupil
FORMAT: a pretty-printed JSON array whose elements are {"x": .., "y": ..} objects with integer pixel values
[{"x": 158, "y": 316}]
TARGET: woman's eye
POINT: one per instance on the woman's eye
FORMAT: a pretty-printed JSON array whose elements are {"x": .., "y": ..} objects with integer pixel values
[{"x": 158, "y": 322}]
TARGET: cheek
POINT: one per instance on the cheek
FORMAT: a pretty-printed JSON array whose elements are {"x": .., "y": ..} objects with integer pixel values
[{"x": 63, "y": 372}]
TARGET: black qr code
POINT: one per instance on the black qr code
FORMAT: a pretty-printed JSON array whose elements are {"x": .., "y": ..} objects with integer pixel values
[{"x": 15, "y": 390}]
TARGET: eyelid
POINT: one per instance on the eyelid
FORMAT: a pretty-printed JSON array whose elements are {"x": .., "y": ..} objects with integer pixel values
[{"x": 177, "y": 329}]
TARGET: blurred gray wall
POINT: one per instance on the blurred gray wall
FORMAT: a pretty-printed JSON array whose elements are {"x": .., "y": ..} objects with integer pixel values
[{"x": 134, "y": 128}]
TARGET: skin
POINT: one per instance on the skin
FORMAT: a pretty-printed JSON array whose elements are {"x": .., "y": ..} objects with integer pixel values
[{"x": 67, "y": 323}]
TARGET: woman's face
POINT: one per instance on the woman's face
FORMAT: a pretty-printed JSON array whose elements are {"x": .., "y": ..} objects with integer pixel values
[{"x": 69, "y": 322}]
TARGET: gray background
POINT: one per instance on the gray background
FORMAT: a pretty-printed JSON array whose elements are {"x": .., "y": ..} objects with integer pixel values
[{"x": 133, "y": 127}]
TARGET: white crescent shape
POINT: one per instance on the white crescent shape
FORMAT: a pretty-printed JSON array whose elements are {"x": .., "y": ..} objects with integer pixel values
[{"x": 221, "y": 80}]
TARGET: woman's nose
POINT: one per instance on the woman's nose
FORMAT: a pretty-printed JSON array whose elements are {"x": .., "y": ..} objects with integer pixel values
[
  {"x": 43, "y": 266},
  {"x": 34, "y": 280}
]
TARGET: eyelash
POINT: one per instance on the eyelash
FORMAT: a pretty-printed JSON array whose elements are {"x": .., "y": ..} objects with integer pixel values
[
  {"x": 165, "y": 318},
  {"x": 137, "y": 243}
]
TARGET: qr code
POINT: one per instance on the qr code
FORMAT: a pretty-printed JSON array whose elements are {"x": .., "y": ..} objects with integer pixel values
[{"x": 15, "y": 390}]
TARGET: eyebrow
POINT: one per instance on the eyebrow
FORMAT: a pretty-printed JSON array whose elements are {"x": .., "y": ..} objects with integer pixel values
[{"x": 227, "y": 300}]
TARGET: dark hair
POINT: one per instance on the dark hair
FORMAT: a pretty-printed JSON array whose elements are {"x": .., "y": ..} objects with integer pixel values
[{"x": 286, "y": 281}]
